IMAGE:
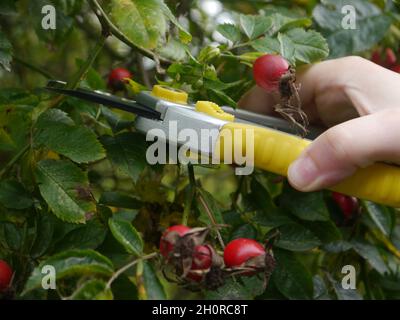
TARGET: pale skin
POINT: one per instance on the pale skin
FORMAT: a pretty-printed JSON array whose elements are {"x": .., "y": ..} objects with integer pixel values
[{"x": 359, "y": 102}]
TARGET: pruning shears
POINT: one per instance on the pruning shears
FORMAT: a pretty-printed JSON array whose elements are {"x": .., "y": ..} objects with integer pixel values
[{"x": 275, "y": 142}]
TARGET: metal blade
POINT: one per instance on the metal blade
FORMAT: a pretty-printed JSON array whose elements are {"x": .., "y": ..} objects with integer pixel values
[{"x": 105, "y": 99}]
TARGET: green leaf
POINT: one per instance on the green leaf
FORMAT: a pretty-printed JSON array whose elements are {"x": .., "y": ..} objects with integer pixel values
[
  {"x": 230, "y": 31},
  {"x": 92, "y": 290},
  {"x": 291, "y": 278},
  {"x": 255, "y": 26},
  {"x": 154, "y": 288},
  {"x": 244, "y": 231},
  {"x": 8, "y": 7},
  {"x": 127, "y": 235},
  {"x": 70, "y": 263},
  {"x": 234, "y": 290},
  {"x": 127, "y": 152},
  {"x": 326, "y": 231},
  {"x": 371, "y": 254},
  {"x": 382, "y": 216},
  {"x": 371, "y": 26},
  {"x": 223, "y": 98},
  {"x": 306, "y": 206},
  {"x": 44, "y": 235},
  {"x": 309, "y": 46},
  {"x": 142, "y": 21},
  {"x": 14, "y": 196},
  {"x": 56, "y": 131},
  {"x": 287, "y": 48},
  {"x": 12, "y": 234},
  {"x": 320, "y": 289},
  {"x": 295, "y": 237},
  {"x": 184, "y": 35},
  {"x": 65, "y": 188},
  {"x": 341, "y": 293},
  {"x": 267, "y": 45},
  {"x": 120, "y": 200},
  {"x": 337, "y": 246},
  {"x": 88, "y": 236},
  {"x": 5, "y": 52},
  {"x": 173, "y": 50}
]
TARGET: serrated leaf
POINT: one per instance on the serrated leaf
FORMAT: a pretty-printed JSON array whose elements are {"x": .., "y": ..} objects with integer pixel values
[
  {"x": 13, "y": 195},
  {"x": 295, "y": 237},
  {"x": 267, "y": 45},
  {"x": 306, "y": 206},
  {"x": 320, "y": 289},
  {"x": 92, "y": 290},
  {"x": 142, "y": 21},
  {"x": 56, "y": 131},
  {"x": 127, "y": 152},
  {"x": 371, "y": 26},
  {"x": 70, "y": 263},
  {"x": 234, "y": 290},
  {"x": 371, "y": 254},
  {"x": 254, "y": 26},
  {"x": 5, "y": 52},
  {"x": 230, "y": 32},
  {"x": 382, "y": 216},
  {"x": 127, "y": 235},
  {"x": 309, "y": 46},
  {"x": 287, "y": 48},
  {"x": 64, "y": 187},
  {"x": 291, "y": 278}
]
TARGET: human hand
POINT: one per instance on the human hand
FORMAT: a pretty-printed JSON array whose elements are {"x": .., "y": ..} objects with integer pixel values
[{"x": 334, "y": 93}]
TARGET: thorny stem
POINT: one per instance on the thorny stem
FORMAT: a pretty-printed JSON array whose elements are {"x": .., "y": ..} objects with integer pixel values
[
  {"x": 190, "y": 196},
  {"x": 105, "y": 21},
  {"x": 212, "y": 220},
  {"x": 129, "y": 265},
  {"x": 28, "y": 65}
]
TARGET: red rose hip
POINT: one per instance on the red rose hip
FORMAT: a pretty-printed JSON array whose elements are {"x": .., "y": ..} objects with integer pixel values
[
  {"x": 268, "y": 70},
  {"x": 5, "y": 275},
  {"x": 239, "y": 251},
  {"x": 348, "y": 205},
  {"x": 202, "y": 260},
  {"x": 116, "y": 78}
]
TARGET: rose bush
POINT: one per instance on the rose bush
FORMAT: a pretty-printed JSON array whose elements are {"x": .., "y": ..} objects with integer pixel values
[{"x": 76, "y": 192}]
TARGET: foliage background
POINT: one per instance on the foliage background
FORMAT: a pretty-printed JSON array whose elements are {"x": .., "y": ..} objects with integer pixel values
[{"x": 76, "y": 192}]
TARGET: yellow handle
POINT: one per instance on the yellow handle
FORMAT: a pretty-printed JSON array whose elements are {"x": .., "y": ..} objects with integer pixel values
[{"x": 274, "y": 151}]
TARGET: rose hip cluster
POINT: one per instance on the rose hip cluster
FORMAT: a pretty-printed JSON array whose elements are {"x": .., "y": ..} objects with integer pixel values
[
  {"x": 194, "y": 262},
  {"x": 386, "y": 58}
]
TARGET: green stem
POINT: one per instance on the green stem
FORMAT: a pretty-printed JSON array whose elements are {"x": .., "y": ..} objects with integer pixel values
[
  {"x": 190, "y": 195},
  {"x": 14, "y": 160},
  {"x": 128, "y": 266},
  {"x": 106, "y": 23},
  {"x": 237, "y": 192},
  {"x": 32, "y": 67}
]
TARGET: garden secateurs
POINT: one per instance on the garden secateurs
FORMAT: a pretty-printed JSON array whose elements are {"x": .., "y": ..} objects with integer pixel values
[{"x": 275, "y": 142}]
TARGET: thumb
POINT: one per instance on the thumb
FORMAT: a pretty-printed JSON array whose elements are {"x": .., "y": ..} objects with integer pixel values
[{"x": 341, "y": 150}]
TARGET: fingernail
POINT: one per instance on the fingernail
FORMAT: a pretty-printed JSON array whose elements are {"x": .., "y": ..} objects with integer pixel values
[{"x": 303, "y": 173}]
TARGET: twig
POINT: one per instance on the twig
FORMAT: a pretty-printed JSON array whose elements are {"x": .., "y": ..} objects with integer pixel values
[
  {"x": 212, "y": 220},
  {"x": 190, "y": 196},
  {"x": 14, "y": 160},
  {"x": 32, "y": 67},
  {"x": 145, "y": 75},
  {"x": 106, "y": 22},
  {"x": 129, "y": 265}
]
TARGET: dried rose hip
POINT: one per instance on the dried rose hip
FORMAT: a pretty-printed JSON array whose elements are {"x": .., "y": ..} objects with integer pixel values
[
  {"x": 201, "y": 262},
  {"x": 169, "y": 237}
]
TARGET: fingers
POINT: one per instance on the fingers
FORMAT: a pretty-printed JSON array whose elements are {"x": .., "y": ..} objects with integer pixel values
[{"x": 341, "y": 150}]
